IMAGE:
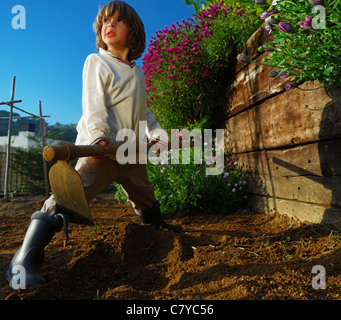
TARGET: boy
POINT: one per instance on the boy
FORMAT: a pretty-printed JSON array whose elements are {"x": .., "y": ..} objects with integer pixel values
[{"x": 114, "y": 98}]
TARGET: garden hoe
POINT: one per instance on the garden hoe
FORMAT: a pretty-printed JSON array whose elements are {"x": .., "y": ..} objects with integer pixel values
[{"x": 66, "y": 183}]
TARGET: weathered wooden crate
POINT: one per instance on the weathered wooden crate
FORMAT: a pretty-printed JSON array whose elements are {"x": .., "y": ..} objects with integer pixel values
[{"x": 292, "y": 155}]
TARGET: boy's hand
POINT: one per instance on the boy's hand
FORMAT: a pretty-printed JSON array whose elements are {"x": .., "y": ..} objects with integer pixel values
[
  {"x": 162, "y": 146},
  {"x": 104, "y": 144}
]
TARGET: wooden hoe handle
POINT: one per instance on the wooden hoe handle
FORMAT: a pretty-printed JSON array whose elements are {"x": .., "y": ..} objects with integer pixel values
[{"x": 69, "y": 151}]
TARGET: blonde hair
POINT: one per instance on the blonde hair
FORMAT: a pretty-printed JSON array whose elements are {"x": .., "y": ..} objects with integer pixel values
[{"x": 137, "y": 35}]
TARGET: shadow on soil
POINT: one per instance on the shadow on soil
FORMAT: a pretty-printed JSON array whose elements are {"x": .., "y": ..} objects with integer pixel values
[{"x": 236, "y": 257}]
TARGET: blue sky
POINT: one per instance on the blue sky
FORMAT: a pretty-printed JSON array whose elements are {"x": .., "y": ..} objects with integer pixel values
[{"x": 47, "y": 57}]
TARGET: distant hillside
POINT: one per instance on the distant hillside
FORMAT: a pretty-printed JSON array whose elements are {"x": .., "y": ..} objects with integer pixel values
[
  {"x": 69, "y": 132},
  {"x": 4, "y": 123}
]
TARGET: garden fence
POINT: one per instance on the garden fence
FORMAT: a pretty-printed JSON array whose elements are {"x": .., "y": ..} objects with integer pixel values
[
  {"x": 16, "y": 180},
  {"x": 9, "y": 178}
]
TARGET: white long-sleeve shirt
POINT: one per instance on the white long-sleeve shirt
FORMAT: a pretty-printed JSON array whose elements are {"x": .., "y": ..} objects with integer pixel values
[{"x": 114, "y": 98}]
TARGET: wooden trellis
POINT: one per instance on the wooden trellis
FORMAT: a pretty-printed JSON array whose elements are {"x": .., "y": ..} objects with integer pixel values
[{"x": 41, "y": 117}]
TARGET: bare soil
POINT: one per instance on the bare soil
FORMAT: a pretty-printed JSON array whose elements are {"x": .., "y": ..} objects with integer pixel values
[{"x": 242, "y": 256}]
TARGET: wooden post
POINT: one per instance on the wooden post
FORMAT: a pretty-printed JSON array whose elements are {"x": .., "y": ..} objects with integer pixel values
[
  {"x": 8, "y": 152},
  {"x": 42, "y": 126}
]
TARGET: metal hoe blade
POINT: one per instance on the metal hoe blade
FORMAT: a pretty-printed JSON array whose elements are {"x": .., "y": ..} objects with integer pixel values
[{"x": 67, "y": 188}]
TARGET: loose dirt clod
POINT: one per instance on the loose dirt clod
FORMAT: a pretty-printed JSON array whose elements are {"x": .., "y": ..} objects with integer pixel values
[{"x": 240, "y": 256}]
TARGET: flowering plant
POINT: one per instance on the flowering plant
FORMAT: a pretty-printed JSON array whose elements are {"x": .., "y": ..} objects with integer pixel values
[
  {"x": 229, "y": 30},
  {"x": 185, "y": 187},
  {"x": 306, "y": 42},
  {"x": 185, "y": 67},
  {"x": 178, "y": 81},
  {"x": 185, "y": 62},
  {"x": 199, "y": 4}
]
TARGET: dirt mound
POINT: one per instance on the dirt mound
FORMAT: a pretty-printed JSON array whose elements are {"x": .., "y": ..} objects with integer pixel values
[{"x": 240, "y": 256}]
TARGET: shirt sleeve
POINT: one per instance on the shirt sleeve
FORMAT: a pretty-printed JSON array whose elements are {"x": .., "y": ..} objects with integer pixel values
[
  {"x": 96, "y": 78},
  {"x": 152, "y": 124}
]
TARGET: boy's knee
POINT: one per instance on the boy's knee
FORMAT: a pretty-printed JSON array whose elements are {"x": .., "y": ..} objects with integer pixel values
[{"x": 50, "y": 206}]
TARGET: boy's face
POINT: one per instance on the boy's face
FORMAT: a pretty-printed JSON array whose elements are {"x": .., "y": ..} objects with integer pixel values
[{"x": 115, "y": 33}]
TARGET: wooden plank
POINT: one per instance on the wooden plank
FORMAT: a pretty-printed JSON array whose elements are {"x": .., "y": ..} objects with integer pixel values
[
  {"x": 301, "y": 211},
  {"x": 241, "y": 74},
  {"x": 283, "y": 121},
  {"x": 251, "y": 85},
  {"x": 309, "y": 173},
  {"x": 312, "y": 189},
  {"x": 258, "y": 38},
  {"x": 320, "y": 158}
]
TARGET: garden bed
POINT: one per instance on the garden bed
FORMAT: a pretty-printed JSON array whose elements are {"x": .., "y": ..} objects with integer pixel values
[{"x": 241, "y": 256}]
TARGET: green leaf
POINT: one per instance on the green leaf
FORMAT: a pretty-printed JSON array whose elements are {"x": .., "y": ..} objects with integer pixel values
[{"x": 328, "y": 71}]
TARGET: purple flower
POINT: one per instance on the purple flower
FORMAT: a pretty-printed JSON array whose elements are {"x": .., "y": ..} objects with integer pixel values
[
  {"x": 264, "y": 15},
  {"x": 283, "y": 75},
  {"x": 307, "y": 23},
  {"x": 288, "y": 85},
  {"x": 273, "y": 74},
  {"x": 273, "y": 21},
  {"x": 308, "y": 19},
  {"x": 259, "y": 2},
  {"x": 317, "y": 2},
  {"x": 243, "y": 58},
  {"x": 267, "y": 14},
  {"x": 285, "y": 27}
]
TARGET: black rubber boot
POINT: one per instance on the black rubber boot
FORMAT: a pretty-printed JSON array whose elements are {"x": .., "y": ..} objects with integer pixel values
[
  {"x": 31, "y": 254},
  {"x": 153, "y": 216}
]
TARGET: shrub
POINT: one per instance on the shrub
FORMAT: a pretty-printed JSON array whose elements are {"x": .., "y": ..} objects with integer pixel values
[
  {"x": 230, "y": 28},
  {"x": 184, "y": 65},
  {"x": 179, "y": 84},
  {"x": 185, "y": 187},
  {"x": 186, "y": 68}
]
